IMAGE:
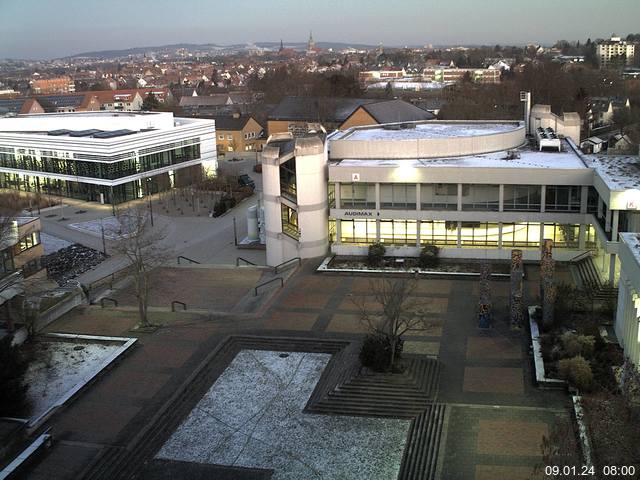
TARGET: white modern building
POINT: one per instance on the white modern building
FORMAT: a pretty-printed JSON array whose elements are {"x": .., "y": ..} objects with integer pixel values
[
  {"x": 615, "y": 52},
  {"x": 107, "y": 157},
  {"x": 476, "y": 189}
]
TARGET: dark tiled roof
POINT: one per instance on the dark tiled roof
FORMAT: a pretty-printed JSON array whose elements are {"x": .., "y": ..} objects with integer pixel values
[
  {"x": 393, "y": 111},
  {"x": 12, "y": 105},
  {"x": 316, "y": 109},
  {"x": 231, "y": 123}
]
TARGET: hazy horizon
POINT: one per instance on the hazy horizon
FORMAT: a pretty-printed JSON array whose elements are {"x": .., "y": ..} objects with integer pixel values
[{"x": 31, "y": 29}]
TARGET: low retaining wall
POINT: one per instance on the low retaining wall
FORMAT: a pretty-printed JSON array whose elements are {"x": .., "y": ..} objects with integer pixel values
[
  {"x": 541, "y": 379},
  {"x": 76, "y": 298}
]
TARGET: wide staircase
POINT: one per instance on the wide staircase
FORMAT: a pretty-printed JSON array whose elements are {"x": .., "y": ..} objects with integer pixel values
[{"x": 592, "y": 281}]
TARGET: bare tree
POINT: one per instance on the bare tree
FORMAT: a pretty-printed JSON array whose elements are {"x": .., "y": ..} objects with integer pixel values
[
  {"x": 400, "y": 312},
  {"x": 143, "y": 247}
]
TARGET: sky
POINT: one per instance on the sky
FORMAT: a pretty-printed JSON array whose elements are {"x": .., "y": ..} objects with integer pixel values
[{"x": 56, "y": 28}]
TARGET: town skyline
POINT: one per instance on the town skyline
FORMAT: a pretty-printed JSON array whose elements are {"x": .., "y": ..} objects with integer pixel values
[{"x": 64, "y": 29}]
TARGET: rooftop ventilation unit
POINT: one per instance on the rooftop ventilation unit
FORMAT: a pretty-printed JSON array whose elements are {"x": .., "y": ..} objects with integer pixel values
[{"x": 547, "y": 138}]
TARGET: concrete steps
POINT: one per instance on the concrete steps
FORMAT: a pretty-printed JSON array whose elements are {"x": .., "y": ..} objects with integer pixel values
[
  {"x": 420, "y": 456},
  {"x": 592, "y": 282}
]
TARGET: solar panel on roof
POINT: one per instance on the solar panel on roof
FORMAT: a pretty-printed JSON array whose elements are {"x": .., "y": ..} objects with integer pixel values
[
  {"x": 84, "y": 133},
  {"x": 56, "y": 133},
  {"x": 113, "y": 133}
]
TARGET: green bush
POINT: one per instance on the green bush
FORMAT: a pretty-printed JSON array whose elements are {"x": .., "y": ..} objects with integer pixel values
[
  {"x": 577, "y": 372},
  {"x": 429, "y": 256},
  {"x": 376, "y": 352},
  {"x": 13, "y": 394},
  {"x": 574, "y": 344},
  {"x": 375, "y": 255}
]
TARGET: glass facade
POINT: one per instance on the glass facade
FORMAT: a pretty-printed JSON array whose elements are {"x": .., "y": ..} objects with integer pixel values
[
  {"x": 523, "y": 198},
  {"x": 398, "y": 232},
  {"x": 439, "y": 232},
  {"x": 401, "y": 196},
  {"x": 101, "y": 169},
  {"x": 358, "y": 231},
  {"x": 29, "y": 241},
  {"x": 439, "y": 196},
  {"x": 562, "y": 198},
  {"x": 288, "y": 187},
  {"x": 357, "y": 195},
  {"x": 522, "y": 234},
  {"x": 289, "y": 221},
  {"x": 479, "y": 234},
  {"x": 563, "y": 236},
  {"x": 481, "y": 197}
]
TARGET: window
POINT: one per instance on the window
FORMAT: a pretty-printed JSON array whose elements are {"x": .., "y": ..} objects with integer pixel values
[
  {"x": 401, "y": 196},
  {"x": 479, "y": 234},
  {"x": 29, "y": 241},
  {"x": 357, "y": 195},
  {"x": 524, "y": 198},
  {"x": 481, "y": 197},
  {"x": 439, "y": 196},
  {"x": 230, "y": 148},
  {"x": 357, "y": 231},
  {"x": 331, "y": 195},
  {"x": 289, "y": 221},
  {"x": 398, "y": 232},
  {"x": 229, "y": 137},
  {"x": 332, "y": 230},
  {"x": 220, "y": 137},
  {"x": 288, "y": 180},
  {"x": 439, "y": 233},
  {"x": 563, "y": 236},
  {"x": 592, "y": 200},
  {"x": 524, "y": 234},
  {"x": 562, "y": 198}
]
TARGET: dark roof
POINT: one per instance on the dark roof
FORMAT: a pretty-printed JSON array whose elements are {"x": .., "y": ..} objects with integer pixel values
[
  {"x": 231, "y": 123},
  {"x": 50, "y": 102},
  {"x": 393, "y": 111},
  {"x": 12, "y": 105},
  {"x": 312, "y": 109}
]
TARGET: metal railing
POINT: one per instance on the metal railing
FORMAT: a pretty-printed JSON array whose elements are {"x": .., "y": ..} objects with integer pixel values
[
  {"x": 187, "y": 259},
  {"x": 115, "y": 302},
  {"x": 582, "y": 256},
  {"x": 176, "y": 302},
  {"x": 255, "y": 290},
  {"x": 111, "y": 278},
  {"x": 240, "y": 259},
  {"x": 298, "y": 259}
]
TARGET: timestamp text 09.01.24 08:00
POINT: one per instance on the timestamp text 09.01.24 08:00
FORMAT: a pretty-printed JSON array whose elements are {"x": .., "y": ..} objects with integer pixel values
[{"x": 624, "y": 471}]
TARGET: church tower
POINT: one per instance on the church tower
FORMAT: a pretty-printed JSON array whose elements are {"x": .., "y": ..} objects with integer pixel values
[{"x": 311, "y": 45}]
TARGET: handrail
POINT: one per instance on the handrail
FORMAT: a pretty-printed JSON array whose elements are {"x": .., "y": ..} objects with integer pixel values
[
  {"x": 188, "y": 259},
  {"x": 255, "y": 290},
  {"x": 275, "y": 269},
  {"x": 583, "y": 255},
  {"x": 115, "y": 302},
  {"x": 111, "y": 275},
  {"x": 173, "y": 305},
  {"x": 244, "y": 260}
]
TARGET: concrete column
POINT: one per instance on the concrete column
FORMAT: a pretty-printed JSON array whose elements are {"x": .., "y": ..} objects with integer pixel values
[
  {"x": 607, "y": 221},
  {"x": 543, "y": 197},
  {"x": 612, "y": 268},
  {"x": 336, "y": 194},
  {"x": 600, "y": 204},
  {"x": 582, "y": 237},
  {"x": 418, "y": 233},
  {"x": 584, "y": 198},
  {"x": 377, "y": 219},
  {"x": 459, "y": 198},
  {"x": 378, "y": 199},
  {"x": 338, "y": 231},
  {"x": 614, "y": 225},
  {"x": 418, "y": 196},
  {"x": 459, "y": 244},
  {"x": 500, "y": 231},
  {"x": 501, "y": 199}
]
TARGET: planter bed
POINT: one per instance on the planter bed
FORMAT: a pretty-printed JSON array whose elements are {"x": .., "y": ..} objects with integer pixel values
[
  {"x": 538, "y": 361},
  {"x": 410, "y": 265}
]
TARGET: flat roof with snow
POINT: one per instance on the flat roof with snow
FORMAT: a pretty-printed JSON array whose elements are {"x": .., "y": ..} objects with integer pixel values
[
  {"x": 618, "y": 172},
  {"x": 428, "y": 130}
]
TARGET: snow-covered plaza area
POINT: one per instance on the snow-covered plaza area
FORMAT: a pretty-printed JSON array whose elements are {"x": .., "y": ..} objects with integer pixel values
[
  {"x": 252, "y": 417},
  {"x": 94, "y": 227},
  {"x": 58, "y": 366},
  {"x": 52, "y": 244}
]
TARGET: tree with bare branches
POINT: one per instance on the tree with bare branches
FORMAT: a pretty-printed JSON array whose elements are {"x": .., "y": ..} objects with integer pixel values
[
  {"x": 399, "y": 312},
  {"x": 143, "y": 247}
]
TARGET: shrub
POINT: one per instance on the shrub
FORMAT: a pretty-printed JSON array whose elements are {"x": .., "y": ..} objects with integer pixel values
[
  {"x": 574, "y": 344},
  {"x": 576, "y": 371},
  {"x": 13, "y": 394},
  {"x": 429, "y": 256},
  {"x": 375, "y": 255},
  {"x": 376, "y": 352}
]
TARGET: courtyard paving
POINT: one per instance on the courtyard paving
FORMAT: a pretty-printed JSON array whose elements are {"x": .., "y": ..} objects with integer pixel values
[{"x": 496, "y": 418}]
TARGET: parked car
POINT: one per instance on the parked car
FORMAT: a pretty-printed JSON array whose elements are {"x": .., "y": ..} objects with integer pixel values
[{"x": 245, "y": 180}]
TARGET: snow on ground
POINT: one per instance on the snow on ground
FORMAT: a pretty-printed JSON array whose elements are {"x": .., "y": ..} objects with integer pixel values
[
  {"x": 252, "y": 417},
  {"x": 58, "y": 367},
  {"x": 52, "y": 244},
  {"x": 94, "y": 227}
]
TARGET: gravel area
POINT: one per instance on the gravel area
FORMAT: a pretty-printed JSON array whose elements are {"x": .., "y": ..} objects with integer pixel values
[
  {"x": 252, "y": 417},
  {"x": 59, "y": 366}
]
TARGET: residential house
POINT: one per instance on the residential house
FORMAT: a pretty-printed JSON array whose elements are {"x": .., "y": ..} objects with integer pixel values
[
  {"x": 238, "y": 133},
  {"x": 615, "y": 52},
  {"x": 216, "y": 104},
  {"x": 19, "y": 106},
  {"x": 53, "y": 85},
  {"x": 602, "y": 109}
]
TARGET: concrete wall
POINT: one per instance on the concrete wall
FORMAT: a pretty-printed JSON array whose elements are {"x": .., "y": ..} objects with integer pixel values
[{"x": 628, "y": 311}]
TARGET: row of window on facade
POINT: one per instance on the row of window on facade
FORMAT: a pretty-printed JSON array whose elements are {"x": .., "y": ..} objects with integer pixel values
[
  {"x": 465, "y": 234},
  {"x": 444, "y": 196},
  {"x": 109, "y": 171}
]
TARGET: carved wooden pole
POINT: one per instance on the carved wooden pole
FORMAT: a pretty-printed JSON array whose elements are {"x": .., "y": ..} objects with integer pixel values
[{"x": 515, "y": 299}]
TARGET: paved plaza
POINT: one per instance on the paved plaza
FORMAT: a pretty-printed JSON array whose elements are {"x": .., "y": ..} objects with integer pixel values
[{"x": 495, "y": 419}]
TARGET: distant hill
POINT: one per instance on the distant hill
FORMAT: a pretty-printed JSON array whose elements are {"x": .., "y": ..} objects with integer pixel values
[{"x": 191, "y": 47}]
